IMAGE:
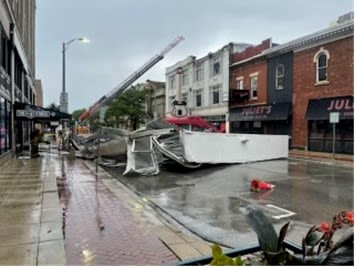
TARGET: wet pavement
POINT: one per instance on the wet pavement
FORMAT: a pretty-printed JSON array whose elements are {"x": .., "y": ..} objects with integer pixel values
[
  {"x": 208, "y": 201},
  {"x": 58, "y": 212},
  {"x": 30, "y": 221}
]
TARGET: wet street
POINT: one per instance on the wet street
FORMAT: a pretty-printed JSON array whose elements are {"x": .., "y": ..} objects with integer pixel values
[{"x": 207, "y": 201}]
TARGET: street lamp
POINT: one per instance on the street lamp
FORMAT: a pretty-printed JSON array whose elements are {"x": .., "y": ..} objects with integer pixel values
[{"x": 64, "y": 94}]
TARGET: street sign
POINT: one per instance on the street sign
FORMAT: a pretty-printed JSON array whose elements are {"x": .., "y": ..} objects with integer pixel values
[{"x": 334, "y": 117}]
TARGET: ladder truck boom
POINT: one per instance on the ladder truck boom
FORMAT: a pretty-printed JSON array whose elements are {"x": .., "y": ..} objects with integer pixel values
[{"x": 106, "y": 99}]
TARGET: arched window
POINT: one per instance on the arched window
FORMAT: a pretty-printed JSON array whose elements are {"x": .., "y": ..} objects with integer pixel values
[
  {"x": 280, "y": 73},
  {"x": 321, "y": 60}
]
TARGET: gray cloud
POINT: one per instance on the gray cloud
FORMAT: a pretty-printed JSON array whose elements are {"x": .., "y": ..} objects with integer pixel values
[{"x": 126, "y": 33}]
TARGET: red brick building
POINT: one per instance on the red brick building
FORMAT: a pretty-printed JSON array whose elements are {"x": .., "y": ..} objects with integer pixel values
[
  {"x": 248, "y": 83},
  {"x": 303, "y": 86},
  {"x": 323, "y": 82}
]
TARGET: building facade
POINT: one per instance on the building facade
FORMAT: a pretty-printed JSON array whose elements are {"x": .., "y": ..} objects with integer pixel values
[
  {"x": 155, "y": 99},
  {"x": 323, "y": 81},
  {"x": 252, "y": 109},
  {"x": 307, "y": 92},
  {"x": 17, "y": 70},
  {"x": 204, "y": 84}
]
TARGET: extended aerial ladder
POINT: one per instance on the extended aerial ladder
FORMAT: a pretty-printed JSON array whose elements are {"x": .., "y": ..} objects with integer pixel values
[{"x": 106, "y": 99}]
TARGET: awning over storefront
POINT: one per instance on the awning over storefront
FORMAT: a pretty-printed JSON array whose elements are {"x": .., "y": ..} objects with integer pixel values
[
  {"x": 319, "y": 109},
  {"x": 271, "y": 112},
  {"x": 25, "y": 111}
]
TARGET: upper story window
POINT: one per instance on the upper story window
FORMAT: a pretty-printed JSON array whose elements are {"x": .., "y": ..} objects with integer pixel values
[
  {"x": 197, "y": 97},
  {"x": 240, "y": 83},
  {"x": 253, "y": 86},
  {"x": 215, "y": 94},
  {"x": 215, "y": 68},
  {"x": 172, "y": 81},
  {"x": 280, "y": 74},
  {"x": 199, "y": 73},
  {"x": 321, "y": 60}
]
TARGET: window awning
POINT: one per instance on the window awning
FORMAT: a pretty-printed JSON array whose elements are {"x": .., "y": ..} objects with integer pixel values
[
  {"x": 319, "y": 109},
  {"x": 271, "y": 112},
  {"x": 24, "y": 111}
]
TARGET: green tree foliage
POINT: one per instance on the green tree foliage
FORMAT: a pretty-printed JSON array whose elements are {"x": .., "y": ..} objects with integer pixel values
[
  {"x": 77, "y": 113},
  {"x": 127, "y": 110},
  {"x": 53, "y": 106}
]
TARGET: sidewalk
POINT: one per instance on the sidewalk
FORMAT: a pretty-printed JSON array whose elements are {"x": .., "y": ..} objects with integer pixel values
[
  {"x": 322, "y": 157},
  {"x": 56, "y": 211}
]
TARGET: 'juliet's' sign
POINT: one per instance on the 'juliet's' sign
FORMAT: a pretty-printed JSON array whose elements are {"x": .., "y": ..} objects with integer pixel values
[
  {"x": 319, "y": 109},
  {"x": 346, "y": 106}
]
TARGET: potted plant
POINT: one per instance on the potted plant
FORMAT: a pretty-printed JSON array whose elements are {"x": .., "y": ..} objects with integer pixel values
[{"x": 318, "y": 247}]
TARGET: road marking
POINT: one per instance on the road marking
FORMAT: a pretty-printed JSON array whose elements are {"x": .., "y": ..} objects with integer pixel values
[{"x": 287, "y": 213}]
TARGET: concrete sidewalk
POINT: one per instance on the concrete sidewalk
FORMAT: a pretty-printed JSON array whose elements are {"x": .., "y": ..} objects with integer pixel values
[
  {"x": 322, "y": 157},
  {"x": 57, "y": 211}
]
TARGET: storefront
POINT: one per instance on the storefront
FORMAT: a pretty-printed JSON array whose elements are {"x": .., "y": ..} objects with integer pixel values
[
  {"x": 25, "y": 117},
  {"x": 261, "y": 119},
  {"x": 218, "y": 121},
  {"x": 320, "y": 129},
  {"x": 5, "y": 129}
]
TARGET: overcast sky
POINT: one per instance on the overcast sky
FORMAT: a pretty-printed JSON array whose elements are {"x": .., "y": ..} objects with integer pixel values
[{"x": 125, "y": 34}]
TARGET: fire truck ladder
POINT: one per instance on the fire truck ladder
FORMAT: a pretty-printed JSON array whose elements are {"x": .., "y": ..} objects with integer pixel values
[{"x": 106, "y": 99}]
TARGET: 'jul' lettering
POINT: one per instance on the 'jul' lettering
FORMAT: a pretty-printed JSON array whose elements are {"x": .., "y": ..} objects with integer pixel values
[{"x": 340, "y": 104}]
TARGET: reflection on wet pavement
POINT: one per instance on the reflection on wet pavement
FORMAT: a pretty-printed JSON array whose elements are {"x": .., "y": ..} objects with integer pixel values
[
  {"x": 99, "y": 229},
  {"x": 207, "y": 201}
]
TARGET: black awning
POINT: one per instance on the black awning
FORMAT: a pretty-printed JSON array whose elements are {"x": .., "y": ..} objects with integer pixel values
[
  {"x": 24, "y": 111},
  {"x": 271, "y": 112},
  {"x": 319, "y": 109}
]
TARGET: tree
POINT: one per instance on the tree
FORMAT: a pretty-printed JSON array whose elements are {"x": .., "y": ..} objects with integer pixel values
[
  {"x": 77, "y": 113},
  {"x": 54, "y": 107},
  {"x": 127, "y": 109}
]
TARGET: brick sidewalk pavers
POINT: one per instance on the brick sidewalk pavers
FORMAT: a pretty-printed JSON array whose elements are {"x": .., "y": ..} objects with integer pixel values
[
  {"x": 99, "y": 228},
  {"x": 60, "y": 212}
]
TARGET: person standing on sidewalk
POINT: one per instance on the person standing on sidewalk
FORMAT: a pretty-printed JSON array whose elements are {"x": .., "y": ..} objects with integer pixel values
[{"x": 35, "y": 139}]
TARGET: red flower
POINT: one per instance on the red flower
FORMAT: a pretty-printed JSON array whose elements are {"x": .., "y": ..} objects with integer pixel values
[
  {"x": 323, "y": 227},
  {"x": 350, "y": 217}
]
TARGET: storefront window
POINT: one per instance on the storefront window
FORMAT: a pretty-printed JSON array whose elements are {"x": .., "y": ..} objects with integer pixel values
[
  {"x": 2, "y": 126},
  {"x": 321, "y": 136},
  {"x": 8, "y": 125}
]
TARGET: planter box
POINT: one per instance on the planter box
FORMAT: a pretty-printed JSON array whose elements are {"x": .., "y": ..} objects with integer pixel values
[{"x": 234, "y": 253}]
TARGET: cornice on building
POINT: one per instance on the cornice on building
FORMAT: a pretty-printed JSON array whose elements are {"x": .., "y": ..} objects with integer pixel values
[{"x": 327, "y": 35}]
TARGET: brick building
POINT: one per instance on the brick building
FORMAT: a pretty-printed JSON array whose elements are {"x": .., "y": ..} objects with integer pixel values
[
  {"x": 292, "y": 89},
  {"x": 322, "y": 82},
  {"x": 250, "y": 110}
]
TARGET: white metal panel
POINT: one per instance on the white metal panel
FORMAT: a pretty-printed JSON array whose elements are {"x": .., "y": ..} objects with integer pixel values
[{"x": 201, "y": 147}]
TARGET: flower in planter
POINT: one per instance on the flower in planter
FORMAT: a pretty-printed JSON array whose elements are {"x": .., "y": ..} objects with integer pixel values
[{"x": 317, "y": 245}]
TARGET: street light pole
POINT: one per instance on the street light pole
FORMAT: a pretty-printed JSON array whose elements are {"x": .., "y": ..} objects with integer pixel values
[{"x": 64, "y": 94}]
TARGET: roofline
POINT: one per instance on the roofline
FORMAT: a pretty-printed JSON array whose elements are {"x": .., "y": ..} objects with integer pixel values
[{"x": 331, "y": 32}]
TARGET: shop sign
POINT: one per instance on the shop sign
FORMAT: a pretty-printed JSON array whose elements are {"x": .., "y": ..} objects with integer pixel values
[
  {"x": 344, "y": 105},
  {"x": 278, "y": 111},
  {"x": 320, "y": 109},
  {"x": 32, "y": 113}
]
